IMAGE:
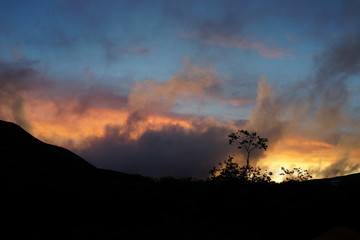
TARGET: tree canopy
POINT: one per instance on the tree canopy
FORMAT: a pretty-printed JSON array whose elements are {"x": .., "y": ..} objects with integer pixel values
[{"x": 248, "y": 142}]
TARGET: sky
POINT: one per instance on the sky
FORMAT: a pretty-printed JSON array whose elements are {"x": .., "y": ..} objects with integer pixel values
[{"x": 155, "y": 87}]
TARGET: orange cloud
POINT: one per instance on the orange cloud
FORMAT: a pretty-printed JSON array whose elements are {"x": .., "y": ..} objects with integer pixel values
[
  {"x": 71, "y": 129},
  {"x": 159, "y": 96}
]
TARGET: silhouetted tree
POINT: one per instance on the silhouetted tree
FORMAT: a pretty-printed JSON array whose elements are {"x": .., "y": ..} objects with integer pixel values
[
  {"x": 230, "y": 171},
  {"x": 295, "y": 175},
  {"x": 227, "y": 170},
  {"x": 248, "y": 142}
]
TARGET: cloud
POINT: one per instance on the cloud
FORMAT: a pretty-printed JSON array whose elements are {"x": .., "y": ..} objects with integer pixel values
[
  {"x": 288, "y": 119},
  {"x": 137, "y": 131},
  {"x": 156, "y": 96},
  {"x": 133, "y": 133},
  {"x": 80, "y": 98},
  {"x": 242, "y": 43},
  {"x": 317, "y": 108},
  {"x": 236, "y": 102},
  {"x": 15, "y": 81},
  {"x": 173, "y": 151},
  {"x": 228, "y": 28},
  {"x": 34, "y": 100},
  {"x": 151, "y": 140},
  {"x": 266, "y": 117},
  {"x": 329, "y": 93},
  {"x": 115, "y": 50},
  {"x": 310, "y": 117},
  {"x": 340, "y": 167}
]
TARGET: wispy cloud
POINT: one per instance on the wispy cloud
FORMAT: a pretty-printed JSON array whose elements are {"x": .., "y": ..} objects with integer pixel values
[
  {"x": 318, "y": 113},
  {"x": 242, "y": 43},
  {"x": 114, "y": 51}
]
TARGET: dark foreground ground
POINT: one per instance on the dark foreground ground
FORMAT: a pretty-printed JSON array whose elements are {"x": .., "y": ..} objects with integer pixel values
[
  {"x": 48, "y": 192},
  {"x": 138, "y": 208}
]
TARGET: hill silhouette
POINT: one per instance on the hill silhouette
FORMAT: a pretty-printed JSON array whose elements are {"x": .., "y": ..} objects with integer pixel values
[
  {"x": 48, "y": 192},
  {"x": 25, "y": 161},
  {"x": 24, "y": 153}
]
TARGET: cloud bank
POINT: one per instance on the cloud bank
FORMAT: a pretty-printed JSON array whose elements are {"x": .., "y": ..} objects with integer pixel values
[
  {"x": 136, "y": 133},
  {"x": 311, "y": 124}
]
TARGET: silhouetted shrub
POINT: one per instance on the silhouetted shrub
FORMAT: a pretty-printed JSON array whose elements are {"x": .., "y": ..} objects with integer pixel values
[
  {"x": 295, "y": 175},
  {"x": 231, "y": 171}
]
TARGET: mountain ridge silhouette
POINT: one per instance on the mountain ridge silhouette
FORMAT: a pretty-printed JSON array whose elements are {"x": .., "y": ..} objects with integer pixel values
[
  {"x": 17, "y": 143},
  {"x": 26, "y": 160}
]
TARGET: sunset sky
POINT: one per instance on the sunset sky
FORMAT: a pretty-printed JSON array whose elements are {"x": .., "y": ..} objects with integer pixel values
[{"x": 155, "y": 87}]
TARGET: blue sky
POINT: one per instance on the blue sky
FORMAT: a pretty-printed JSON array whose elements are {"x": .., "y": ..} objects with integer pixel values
[
  {"x": 137, "y": 37},
  {"x": 106, "y": 50},
  {"x": 150, "y": 39}
]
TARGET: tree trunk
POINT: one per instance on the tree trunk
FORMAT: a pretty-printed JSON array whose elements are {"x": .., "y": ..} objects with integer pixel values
[{"x": 248, "y": 161}]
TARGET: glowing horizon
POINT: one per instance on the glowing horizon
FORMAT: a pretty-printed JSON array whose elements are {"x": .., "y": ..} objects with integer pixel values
[{"x": 74, "y": 131}]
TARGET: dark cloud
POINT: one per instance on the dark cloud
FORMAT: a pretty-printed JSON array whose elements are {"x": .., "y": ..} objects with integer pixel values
[
  {"x": 21, "y": 82},
  {"x": 115, "y": 51},
  {"x": 340, "y": 167},
  {"x": 339, "y": 60},
  {"x": 15, "y": 80},
  {"x": 330, "y": 82},
  {"x": 230, "y": 26},
  {"x": 172, "y": 151},
  {"x": 326, "y": 90}
]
